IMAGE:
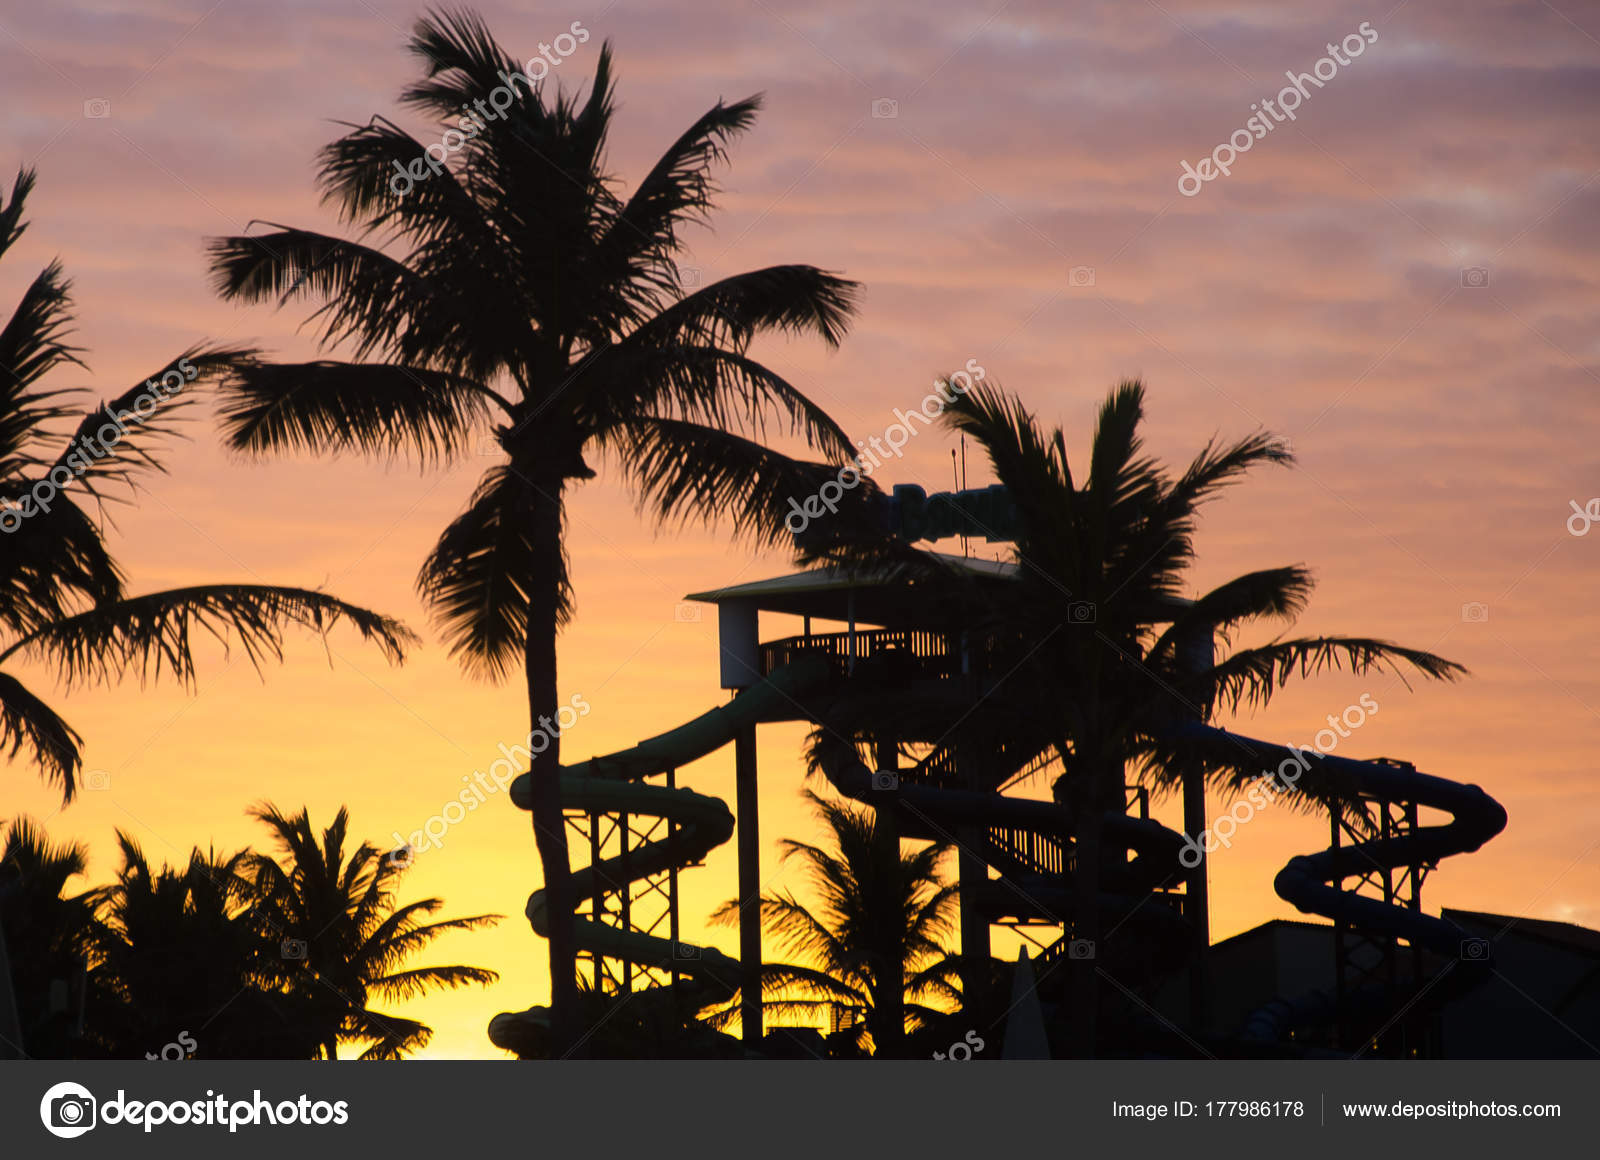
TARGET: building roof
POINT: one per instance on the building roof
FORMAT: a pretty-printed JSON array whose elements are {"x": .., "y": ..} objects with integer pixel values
[
  {"x": 879, "y": 597},
  {"x": 876, "y": 597},
  {"x": 1568, "y": 934},
  {"x": 1271, "y": 925}
]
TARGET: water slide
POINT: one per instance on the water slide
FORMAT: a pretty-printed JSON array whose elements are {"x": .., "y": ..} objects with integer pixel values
[
  {"x": 1149, "y": 850},
  {"x": 615, "y": 784},
  {"x": 1312, "y": 881}
]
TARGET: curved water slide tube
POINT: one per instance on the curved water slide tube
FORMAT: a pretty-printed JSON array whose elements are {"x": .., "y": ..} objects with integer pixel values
[
  {"x": 936, "y": 812},
  {"x": 615, "y": 784},
  {"x": 1312, "y": 881}
]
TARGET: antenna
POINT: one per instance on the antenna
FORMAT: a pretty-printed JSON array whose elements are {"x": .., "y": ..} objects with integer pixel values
[
  {"x": 955, "y": 480},
  {"x": 963, "y": 482}
]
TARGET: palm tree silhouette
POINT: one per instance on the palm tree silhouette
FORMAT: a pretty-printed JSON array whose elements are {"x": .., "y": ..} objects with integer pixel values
[
  {"x": 1095, "y": 639},
  {"x": 343, "y": 938},
  {"x": 529, "y": 289},
  {"x": 63, "y": 602},
  {"x": 48, "y": 936},
  {"x": 189, "y": 960},
  {"x": 876, "y": 942}
]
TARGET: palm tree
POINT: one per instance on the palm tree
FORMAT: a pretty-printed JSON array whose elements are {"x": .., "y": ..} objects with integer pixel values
[
  {"x": 343, "y": 938},
  {"x": 523, "y": 286},
  {"x": 46, "y": 939},
  {"x": 63, "y": 600},
  {"x": 189, "y": 961},
  {"x": 876, "y": 942},
  {"x": 1097, "y": 640}
]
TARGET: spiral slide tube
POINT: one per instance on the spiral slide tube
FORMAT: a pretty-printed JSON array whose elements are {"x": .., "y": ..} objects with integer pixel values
[
  {"x": 936, "y": 812},
  {"x": 613, "y": 784},
  {"x": 1312, "y": 881}
]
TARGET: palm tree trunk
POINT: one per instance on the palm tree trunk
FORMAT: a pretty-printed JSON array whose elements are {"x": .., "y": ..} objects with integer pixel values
[
  {"x": 549, "y": 825},
  {"x": 887, "y": 1019},
  {"x": 10, "y": 1020}
]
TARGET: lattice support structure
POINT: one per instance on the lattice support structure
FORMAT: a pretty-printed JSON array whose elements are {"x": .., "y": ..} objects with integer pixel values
[
  {"x": 647, "y": 905},
  {"x": 1366, "y": 961}
]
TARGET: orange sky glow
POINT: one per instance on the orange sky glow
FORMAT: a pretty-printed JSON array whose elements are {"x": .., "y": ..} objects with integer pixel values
[{"x": 1325, "y": 290}]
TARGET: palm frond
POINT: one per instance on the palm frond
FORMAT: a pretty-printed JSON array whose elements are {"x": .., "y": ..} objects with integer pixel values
[
  {"x": 367, "y": 296},
  {"x": 154, "y": 632},
  {"x": 638, "y": 247},
  {"x": 28, "y": 723},
  {"x": 1280, "y": 592},
  {"x": 702, "y": 384},
  {"x": 32, "y": 343},
  {"x": 419, "y": 981},
  {"x": 373, "y": 408},
  {"x": 686, "y": 472},
  {"x": 115, "y": 439},
  {"x": 477, "y": 578},
  {"x": 792, "y": 299},
  {"x": 55, "y": 561},
  {"x": 1251, "y": 676}
]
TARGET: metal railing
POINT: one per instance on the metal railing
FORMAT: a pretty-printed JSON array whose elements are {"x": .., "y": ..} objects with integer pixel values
[{"x": 914, "y": 651}]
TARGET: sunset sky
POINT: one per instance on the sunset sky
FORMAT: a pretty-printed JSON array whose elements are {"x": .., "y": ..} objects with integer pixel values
[{"x": 1402, "y": 281}]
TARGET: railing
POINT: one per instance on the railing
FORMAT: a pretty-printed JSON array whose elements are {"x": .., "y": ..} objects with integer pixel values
[
  {"x": 1040, "y": 853},
  {"x": 912, "y": 651},
  {"x": 940, "y": 769}
]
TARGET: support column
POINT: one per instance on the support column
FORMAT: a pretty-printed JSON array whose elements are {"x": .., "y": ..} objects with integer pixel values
[
  {"x": 745, "y": 783},
  {"x": 886, "y": 759},
  {"x": 1197, "y": 653},
  {"x": 1197, "y": 903},
  {"x": 973, "y": 873},
  {"x": 597, "y": 900}
]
